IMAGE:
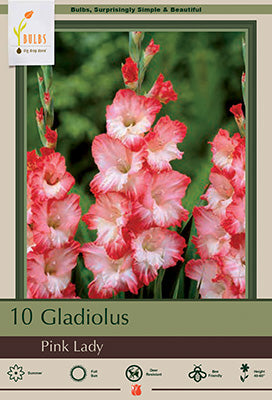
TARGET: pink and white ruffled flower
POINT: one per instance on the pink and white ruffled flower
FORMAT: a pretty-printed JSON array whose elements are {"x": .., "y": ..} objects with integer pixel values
[
  {"x": 207, "y": 274},
  {"x": 30, "y": 239},
  {"x": 130, "y": 116},
  {"x": 221, "y": 224},
  {"x": 233, "y": 264},
  {"x": 68, "y": 293},
  {"x": 154, "y": 249},
  {"x": 32, "y": 161},
  {"x": 51, "y": 180},
  {"x": 55, "y": 222},
  {"x": 220, "y": 193},
  {"x": 111, "y": 276},
  {"x": 239, "y": 168},
  {"x": 212, "y": 239},
  {"x": 223, "y": 147},
  {"x": 120, "y": 168},
  {"x": 161, "y": 203},
  {"x": 162, "y": 143},
  {"x": 234, "y": 221},
  {"x": 29, "y": 203},
  {"x": 48, "y": 274},
  {"x": 110, "y": 215}
]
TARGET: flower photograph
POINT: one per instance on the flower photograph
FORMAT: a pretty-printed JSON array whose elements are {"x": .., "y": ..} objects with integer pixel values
[{"x": 136, "y": 158}]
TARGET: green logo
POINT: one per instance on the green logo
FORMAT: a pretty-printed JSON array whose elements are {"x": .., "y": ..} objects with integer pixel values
[
  {"x": 18, "y": 31},
  {"x": 134, "y": 373},
  {"x": 15, "y": 373},
  {"x": 197, "y": 374}
]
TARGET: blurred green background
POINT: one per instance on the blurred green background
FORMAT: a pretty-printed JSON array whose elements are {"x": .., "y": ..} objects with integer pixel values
[{"x": 205, "y": 69}]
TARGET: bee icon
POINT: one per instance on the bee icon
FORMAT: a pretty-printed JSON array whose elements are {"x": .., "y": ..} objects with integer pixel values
[{"x": 197, "y": 374}]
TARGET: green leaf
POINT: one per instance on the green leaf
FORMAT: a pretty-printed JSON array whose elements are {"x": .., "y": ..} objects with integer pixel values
[
  {"x": 48, "y": 76},
  {"x": 23, "y": 27},
  {"x": 172, "y": 275},
  {"x": 41, "y": 90},
  {"x": 244, "y": 49},
  {"x": 41, "y": 134},
  {"x": 81, "y": 278},
  {"x": 198, "y": 184},
  {"x": 16, "y": 33},
  {"x": 158, "y": 284}
]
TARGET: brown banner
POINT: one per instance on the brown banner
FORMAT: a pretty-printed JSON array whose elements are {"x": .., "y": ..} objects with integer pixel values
[{"x": 135, "y": 347}]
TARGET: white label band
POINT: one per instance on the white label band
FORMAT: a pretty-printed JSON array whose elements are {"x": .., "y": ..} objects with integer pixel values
[{"x": 31, "y": 32}]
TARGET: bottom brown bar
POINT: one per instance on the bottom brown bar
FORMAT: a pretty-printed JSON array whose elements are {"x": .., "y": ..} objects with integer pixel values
[{"x": 136, "y": 347}]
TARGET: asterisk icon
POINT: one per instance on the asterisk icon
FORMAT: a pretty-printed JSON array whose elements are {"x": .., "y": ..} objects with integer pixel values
[
  {"x": 15, "y": 373},
  {"x": 244, "y": 367}
]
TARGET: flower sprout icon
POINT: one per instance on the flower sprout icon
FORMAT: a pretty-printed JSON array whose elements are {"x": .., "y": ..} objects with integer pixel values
[
  {"x": 15, "y": 373},
  {"x": 244, "y": 369}
]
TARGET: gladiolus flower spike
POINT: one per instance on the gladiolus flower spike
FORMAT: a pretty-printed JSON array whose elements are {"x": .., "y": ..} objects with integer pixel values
[
  {"x": 138, "y": 195},
  {"x": 52, "y": 218},
  {"x": 220, "y": 241}
]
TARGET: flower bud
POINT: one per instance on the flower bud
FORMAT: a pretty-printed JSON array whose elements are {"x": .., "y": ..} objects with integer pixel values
[
  {"x": 47, "y": 98},
  {"x": 51, "y": 137},
  {"x": 39, "y": 116},
  {"x": 137, "y": 37},
  {"x": 130, "y": 73},
  {"x": 163, "y": 91},
  {"x": 237, "y": 111},
  {"x": 150, "y": 51}
]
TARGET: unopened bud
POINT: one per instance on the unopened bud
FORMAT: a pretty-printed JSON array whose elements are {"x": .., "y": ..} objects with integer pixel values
[
  {"x": 51, "y": 137},
  {"x": 150, "y": 51},
  {"x": 137, "y": 37},
  {"x": 47, "y": 98}
]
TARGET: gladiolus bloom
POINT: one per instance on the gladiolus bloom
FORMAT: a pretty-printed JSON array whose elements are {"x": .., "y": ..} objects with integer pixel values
[
  {"x": 162, "y": 143},
  {"x": 223, "y": 147},
  {"x": 48, "y": 274},
  {"x": 111, "y": 276},
  {"x": 110, "y": 215},
  {"x": 163, "y": 91},
  {"x": 119, "y": 167},
  {"x": 130, "y": 116},
  {"x": 55, "y": 222},
  {"x": 154, "y": 249},
  {"x": 51, "y": 180},
  {"x": 160, "y": 205}
]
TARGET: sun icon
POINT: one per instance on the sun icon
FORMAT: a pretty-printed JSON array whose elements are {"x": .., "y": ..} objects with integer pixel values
[{"x": 15, "y": 373}]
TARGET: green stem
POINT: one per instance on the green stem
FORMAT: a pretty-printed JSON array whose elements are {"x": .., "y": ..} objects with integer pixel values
[
  {"x": 139, "y": 68},
  {"x": 19, "y": 31},
  {"x": 158, "y": 285}
]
